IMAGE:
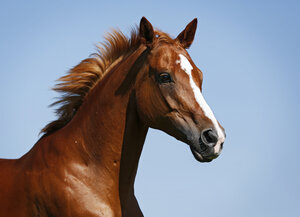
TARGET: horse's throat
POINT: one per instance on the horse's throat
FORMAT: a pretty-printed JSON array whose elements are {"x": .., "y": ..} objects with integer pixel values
[{"x": 133, "y": 141}]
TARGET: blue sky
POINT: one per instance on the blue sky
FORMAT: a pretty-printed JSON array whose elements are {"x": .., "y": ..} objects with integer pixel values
[{"x": 249, "y": 52}]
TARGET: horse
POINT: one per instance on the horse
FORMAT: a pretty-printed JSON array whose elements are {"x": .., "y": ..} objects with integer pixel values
[{"x": 86, "y": 161}]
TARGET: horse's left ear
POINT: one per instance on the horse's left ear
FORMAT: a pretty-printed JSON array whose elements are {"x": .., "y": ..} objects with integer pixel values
[
  {"x": 146, "y": 31},
  {"x": 186, "y": 37}
]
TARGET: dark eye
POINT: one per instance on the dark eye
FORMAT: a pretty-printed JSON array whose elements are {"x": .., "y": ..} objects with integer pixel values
[{"x": 164, "y": 77}]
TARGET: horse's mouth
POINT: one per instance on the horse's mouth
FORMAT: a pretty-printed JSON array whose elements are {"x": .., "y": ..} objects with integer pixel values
[{"x": 199, "y": 156}]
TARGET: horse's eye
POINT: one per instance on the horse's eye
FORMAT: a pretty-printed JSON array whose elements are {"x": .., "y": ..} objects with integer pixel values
[{"x": 165, "y": 77}]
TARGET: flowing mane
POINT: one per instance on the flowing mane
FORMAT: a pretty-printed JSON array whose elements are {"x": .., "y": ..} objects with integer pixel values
[{"x": 78, "y": 81}]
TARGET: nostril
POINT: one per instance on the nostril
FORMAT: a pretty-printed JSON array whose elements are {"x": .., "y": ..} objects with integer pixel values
[
  {"x": 210, "y": 136},
  {"x": 222, "y": 144}
]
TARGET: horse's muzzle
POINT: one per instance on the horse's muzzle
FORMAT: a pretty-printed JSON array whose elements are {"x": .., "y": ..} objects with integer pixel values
[{"x": 209, "y": 146}]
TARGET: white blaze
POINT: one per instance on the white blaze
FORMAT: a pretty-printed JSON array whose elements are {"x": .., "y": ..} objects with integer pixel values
[{"x": 187, "y": 67}]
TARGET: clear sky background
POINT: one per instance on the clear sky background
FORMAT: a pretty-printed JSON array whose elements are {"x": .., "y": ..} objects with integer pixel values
[{"x": 249, "y": 52}]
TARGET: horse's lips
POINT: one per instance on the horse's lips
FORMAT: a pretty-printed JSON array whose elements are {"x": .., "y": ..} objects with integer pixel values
[{"x": 198, "y": 156}]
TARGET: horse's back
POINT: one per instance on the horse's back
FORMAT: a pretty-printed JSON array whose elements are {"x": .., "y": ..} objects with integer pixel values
[
  {"x": 11, "y": 189},
  {"x": 7, "y": 174}
]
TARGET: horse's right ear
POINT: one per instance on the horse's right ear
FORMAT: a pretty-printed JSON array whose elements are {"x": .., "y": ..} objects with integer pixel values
[{"x": 146, "y": 31}]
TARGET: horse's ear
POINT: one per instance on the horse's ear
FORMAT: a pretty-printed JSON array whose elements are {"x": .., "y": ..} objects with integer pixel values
[
  {"x": 146, "y": 31},
  {"x": 186, "y": 37}
]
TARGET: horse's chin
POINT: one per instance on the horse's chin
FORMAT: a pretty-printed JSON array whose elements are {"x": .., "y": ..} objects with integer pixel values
[{"x": 203, "y": 159}]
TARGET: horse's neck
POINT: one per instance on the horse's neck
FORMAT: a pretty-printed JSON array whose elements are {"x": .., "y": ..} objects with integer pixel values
[{"x": 106, "y": 135}]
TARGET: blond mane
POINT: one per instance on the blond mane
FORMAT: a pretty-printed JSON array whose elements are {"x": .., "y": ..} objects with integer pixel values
[{"x": 75, "y": 85}]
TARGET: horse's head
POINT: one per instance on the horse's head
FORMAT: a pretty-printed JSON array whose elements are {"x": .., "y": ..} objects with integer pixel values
[{"x": 168, "y": 92}]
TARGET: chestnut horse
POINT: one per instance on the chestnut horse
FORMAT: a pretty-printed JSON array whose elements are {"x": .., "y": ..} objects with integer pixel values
[{"x": 86, "y": 162}]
